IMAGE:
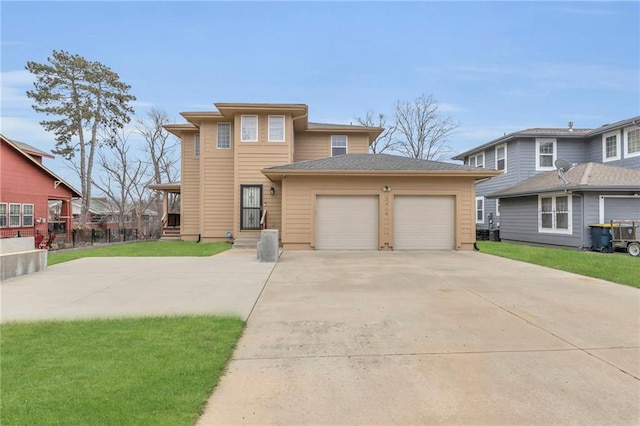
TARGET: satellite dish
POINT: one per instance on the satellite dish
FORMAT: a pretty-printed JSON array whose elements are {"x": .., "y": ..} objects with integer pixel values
[{"x": 563, "y": 166}]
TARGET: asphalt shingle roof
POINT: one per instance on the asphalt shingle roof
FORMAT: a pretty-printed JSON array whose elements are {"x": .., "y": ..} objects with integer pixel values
[
  {"x": 587, "y": 176},
  {"x": 374, "y": 162}
]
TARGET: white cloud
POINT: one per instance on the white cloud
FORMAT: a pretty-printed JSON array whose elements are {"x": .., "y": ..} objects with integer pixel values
[
  {"x": 26, "y": 130},
  {"x": 447, "y": 107},
  {"x": 13, "y": 86}
]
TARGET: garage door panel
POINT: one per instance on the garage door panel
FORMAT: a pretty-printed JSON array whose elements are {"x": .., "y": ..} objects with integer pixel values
[
  {"x": 346, "y": 222},
  {"x": 621, "y": 208},
  {"x": 424, "y": 222}
]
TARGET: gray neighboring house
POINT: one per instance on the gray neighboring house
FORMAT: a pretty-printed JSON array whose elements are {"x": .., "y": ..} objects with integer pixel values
[{"x": 528, "y": 153}]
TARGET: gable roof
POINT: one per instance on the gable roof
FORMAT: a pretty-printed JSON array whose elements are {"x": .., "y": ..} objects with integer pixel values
[
  {"x": 31, "y": 149},
  {"x": 12, "y": 144},
  {"x": 376, "y": 164},
  {"x": 584, "y": 177},
  {"x": 539, "y": 132}
]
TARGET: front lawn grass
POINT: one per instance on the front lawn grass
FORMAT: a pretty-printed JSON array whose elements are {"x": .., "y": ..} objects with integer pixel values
[
  {"x": 141, "y": 249},
  {"x": 622, "y": 269},
  {"x": 132, "y": 371}
]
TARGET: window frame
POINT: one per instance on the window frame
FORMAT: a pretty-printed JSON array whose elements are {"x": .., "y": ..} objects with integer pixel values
[
  {"x": 481, "y": 221},
  {"x": 346, "y": 145},
  {"x": 497, "y": 206},
  {"x": 196, "y": 145},
  {"x": 502, "y": 145},
  {"x": 32, "y": 215},
  {"x": 218, "y": 136},
  {"x": 475, "y": 160},
  {"x": 628, "y": 130},
  {"x": 554, "y": 154},
  {"x": 284, "y": 129},
  {"x": 554, "y": 214},
  {"x": 604, "y": 146},
  {"x": 242, "y": 128},
  {"x": 18, "y": 215},
  {"x": 5, "y": 215}
]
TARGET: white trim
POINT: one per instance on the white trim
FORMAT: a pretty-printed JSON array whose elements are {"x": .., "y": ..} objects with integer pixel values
[
  {"x": 604, "y": 146},
  {"x": 33, "y": 210},
  {"x": 475, "y": 160},
  {"x": 601, "y": 204},
  {"x": 540, "y": 141},
  {"x": 6, "y": 215},
  {"x": 346, "y": 144},
  {"x": 242, "y": 118},
  {"x": 9, "y": 225},
  {"x": 626, "y": 142},
  {"x": 196, "y": 145},
  {"x": 497, "y": 206},
  {"x": 554, "y": 229},
  {"x": 476, "y": 210},
  {"x": 284, "y": 128},
  {"x": 218, "y": 136},
  {"x": 502, "y": 145}
]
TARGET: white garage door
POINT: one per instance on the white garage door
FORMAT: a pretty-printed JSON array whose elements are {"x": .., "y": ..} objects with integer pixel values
[
  {"x": 347, "y": 222},
  {"x": 423, "y": 222},
  {"x": 621, "y": 208}
]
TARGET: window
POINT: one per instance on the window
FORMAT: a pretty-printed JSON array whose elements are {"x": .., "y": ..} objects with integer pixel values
[
  {"x": 501, "y": 157},
  {"x": 249, "y": 128},
  {"x": 632, "y": 142},
  {"x": 276, "y": 128},
  {"x": 545, "y": 154},
  {"x": 27, "y": 215},
  {"x": 196, "y": 145},
  {"x": 3, "y": 215},
  {"x": 14, "y": 215},
  {"x": 338, "y": 145},
  {"x": 610, "y": 147},
  {"x": 497, "y": 206},
  {"x": 479, "y": 209},
  {"x": 476, "y": 160},
  {"x": 224, "y": 136},
  {"x": 554, "y": 214}
]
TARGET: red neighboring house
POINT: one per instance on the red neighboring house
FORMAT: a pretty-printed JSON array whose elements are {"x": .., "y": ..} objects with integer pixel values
[{"x": 26, "y": 187}]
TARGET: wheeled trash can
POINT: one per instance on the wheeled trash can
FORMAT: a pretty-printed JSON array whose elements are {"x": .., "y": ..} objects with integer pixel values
[{"x": 601, "y": 237}]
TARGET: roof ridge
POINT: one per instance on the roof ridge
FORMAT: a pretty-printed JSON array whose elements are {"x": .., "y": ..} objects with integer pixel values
[{"x": 586, "y": 174}]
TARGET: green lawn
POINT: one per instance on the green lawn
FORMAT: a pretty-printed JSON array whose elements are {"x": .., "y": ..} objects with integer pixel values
[
  {"x": 141, "y": 249},
  {"x": 623, "y": 269},
  {"x": 132, "y": 371}
]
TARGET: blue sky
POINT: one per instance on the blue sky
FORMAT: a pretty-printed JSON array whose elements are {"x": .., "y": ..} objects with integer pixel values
[{"x": 494, "y": 66}]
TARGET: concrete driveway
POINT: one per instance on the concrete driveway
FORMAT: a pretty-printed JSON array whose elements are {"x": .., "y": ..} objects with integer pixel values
[
  {"x": 426, "y": 338},
  {"x": 228, "y": 283}
]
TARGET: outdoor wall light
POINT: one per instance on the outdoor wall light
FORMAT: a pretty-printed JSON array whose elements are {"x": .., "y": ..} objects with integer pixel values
[
  {"x": 272, "y": 191},
  {"x": 386, "y": 188}
]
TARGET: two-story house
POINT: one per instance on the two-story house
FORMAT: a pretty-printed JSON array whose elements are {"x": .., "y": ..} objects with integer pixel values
[
  {"x": 531, "y": 202},
  {"x": 26, "y": 189},
  {"x": 248, "y": 166}
]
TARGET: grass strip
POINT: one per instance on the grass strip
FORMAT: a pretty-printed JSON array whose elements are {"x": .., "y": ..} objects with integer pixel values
[
  {"x": 141, "y": 249},
  {"x": 129, "y": 371},
  {"x": 616, "y": 267}
]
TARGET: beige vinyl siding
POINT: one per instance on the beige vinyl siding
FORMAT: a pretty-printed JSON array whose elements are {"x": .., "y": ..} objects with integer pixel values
[
  {"x": 314, "y": 145},
  {"x": 218, "y": 197},
  {"x": 301, "y": 192},
  {"x": 190, "y": 189}
]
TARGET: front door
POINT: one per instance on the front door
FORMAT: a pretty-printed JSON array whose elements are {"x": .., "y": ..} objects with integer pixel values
[{"x": 250, "y": 207}]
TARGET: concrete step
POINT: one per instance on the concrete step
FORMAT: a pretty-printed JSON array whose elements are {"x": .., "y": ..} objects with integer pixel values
[
  {"x": 249, "y": 241},
  {"x": 170, "y": 238}
]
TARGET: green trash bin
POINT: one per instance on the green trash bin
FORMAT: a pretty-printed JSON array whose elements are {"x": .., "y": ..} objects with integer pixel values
[{"x": 601, "y": 238}]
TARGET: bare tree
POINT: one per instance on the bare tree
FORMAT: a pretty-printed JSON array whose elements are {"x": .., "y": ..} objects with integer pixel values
[
  {"x": 121, "y": 175},
  {"x": 160, "y": 145},
  {"x": 422, "y": 130},
  {"x": 385, "y": 141}
]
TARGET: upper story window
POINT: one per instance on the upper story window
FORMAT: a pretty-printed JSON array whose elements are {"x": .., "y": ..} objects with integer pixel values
[
  {"x": 338, "y": 145},
  {"x": 14, "y": 215},
  {"x": 224, "y": 136},
  {"x": 545, "y": 153},
  {"x": 610, "y": 147},
  {"x": 476, "y": 160},
  {"x": 3, "y": 215},
  {"x": 196, "y": 145},
  {"x": 501, "y": 157},
  {"x": 249, "y": 128},
  {"x": 632, "y": 142},
  {"x": 276, "y": 128},
  {"x": 27, "y": 215}
]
